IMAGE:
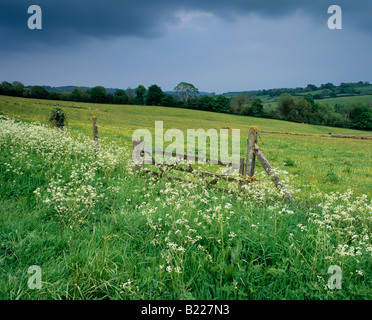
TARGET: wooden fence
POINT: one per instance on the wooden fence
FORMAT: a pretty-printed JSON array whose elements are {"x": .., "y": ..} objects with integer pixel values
[{"x": 246, "y": 166}]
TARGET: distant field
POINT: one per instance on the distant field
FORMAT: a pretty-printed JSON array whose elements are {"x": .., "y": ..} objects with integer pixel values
[
  {"x": 266, "y": 100},
  {"x": 312, "y": 154},
  {"x": 346, "y": 100}
]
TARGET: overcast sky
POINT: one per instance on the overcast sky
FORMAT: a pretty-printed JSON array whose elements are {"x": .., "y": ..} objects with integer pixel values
[{"x": 216, "y": 45}]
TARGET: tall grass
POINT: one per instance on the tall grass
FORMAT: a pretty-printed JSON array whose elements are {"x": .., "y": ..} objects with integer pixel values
[{"x": 100, "y": 231}]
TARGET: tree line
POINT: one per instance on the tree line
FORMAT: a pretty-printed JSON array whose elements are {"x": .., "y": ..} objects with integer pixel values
[
  {"x": 306, "y": 110},
  {"x": 302, "y": 109},
  {"x": 324, "y": 91},
  {"x": 185, "y": 95}
]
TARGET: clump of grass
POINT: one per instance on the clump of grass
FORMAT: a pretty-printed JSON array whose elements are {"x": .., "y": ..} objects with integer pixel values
[
  {"x": 289, "y": 162},
  {"x": 347, "y": 170},
  {"x": 332, "y": 177}
]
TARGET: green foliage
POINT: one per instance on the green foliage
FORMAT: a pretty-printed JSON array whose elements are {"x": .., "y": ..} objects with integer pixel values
[
  {"x": 79, "y": 94},
  {"x": 98, "y": 94},
  {"x": 6, "y": 88},
  {"x": 222, "y": 104},
  {"x": 205, "y": 103},
  {"x": 169, "y": 100},
  {"x": 17, "y": 88},
  {"x": 154, "y": 95},
  {"x": 289, "y": 162},
  {"x": 140, "y": 93},
  {"x": 120, "y": 97},
  {"x": 286, "y": 107},
  {"x": 361, "y": 117},
  {"x": 332, "y": 177},
  {"x": 58, "y": 118},
  {"x": 219, "y": 103},
  {"x": 311, "y": 87},
  {"x": 257, "y": 108},
  {"x": 39, "y": 92},
  {"x": 240, "y": 104},
  {"x": 186, "y": 91}
]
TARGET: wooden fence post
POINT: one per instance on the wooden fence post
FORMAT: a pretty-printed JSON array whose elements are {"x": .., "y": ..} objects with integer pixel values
[
  {"x": 95, "y": 133},
  {"x": 137, "y": 146},
  {"x": 251, "y": 157},
  {"x": 269, "y": 170},
  {"x": 241, "y": 167}
]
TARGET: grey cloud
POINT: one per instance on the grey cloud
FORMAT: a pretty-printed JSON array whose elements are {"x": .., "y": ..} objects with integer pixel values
[{"x": 66, "y": 22}]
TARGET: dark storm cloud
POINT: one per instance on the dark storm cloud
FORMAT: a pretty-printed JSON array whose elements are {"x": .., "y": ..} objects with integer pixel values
[{"x": 73, "y": 21}]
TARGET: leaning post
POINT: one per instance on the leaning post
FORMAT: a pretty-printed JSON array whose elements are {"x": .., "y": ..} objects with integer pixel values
[
  {"x": 274, "y": 178},
  {"x": 251, "y": 157},
  {"x": 137, "y": 154},
  {"x": 95, "y": 133}
]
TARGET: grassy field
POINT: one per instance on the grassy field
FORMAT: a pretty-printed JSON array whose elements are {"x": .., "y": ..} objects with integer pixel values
[
  {"x": 304, "y": 150},
  {"x": 99, "y": 231},
  {"x": 347, "y": 100},
  {"x": 267, "y": 100}
]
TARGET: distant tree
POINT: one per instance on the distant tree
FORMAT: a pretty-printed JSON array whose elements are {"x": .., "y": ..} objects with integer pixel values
[
  {"x": 79, "y": 94},
  {"x": 222, "y": 104},
  {"x": 154, "y": 95},
  {"x": 328, "y": 85},
  {"x": 17, "y": 88},
  {"x": 130, "y": 94},
  {"x": 347, "y": 90},
  {"x": 169, "y": 100},
  {"x": 326, "y": 93},
  {"x": 120, "y": 97},
  {"x": 257, "y": 108},
  {"x": 240, "y": 103},
  {"x": 304, "y": 110},
  {"x": 311, "y": 87},
  {"x": 140, "y": 92},
  {"x": 205, "y": 103},
  {"x": 26, "y": 92},
  {"x": 39, "y": 92},
  {"x": 53, "y": 95},
  {"x": 186, "y": 91},
  {"x": 322, "y": 115},
  {"x": 361, "y": 117},
  {"x": 310, "y": 99},
  {"x": 98, "y": 94},
  {"x": 271, "y": 111},
  {"x": 65, "y": 96},
  {"x": 345, "y": 85},
  {"x": 6, "y": 88},
  {"x": 110, "y": 98},
  {"x": 286, "y": 106}
]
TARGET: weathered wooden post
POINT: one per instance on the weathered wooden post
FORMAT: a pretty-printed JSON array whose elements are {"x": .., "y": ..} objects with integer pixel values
[
  {"x": 137, "y": 155},
  {"x": 95, "y": 133},
  {"x": 251, "y": 157},
  {"x": 241, "y": 167},
  {"x": 269, "y": 170}
]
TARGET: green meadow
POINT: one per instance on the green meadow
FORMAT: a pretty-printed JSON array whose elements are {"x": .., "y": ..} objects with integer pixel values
[
  {"x": 305, "y": 150},
  {"x": 98, "y": 230},
  {"x": 346, "y": 100}
]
